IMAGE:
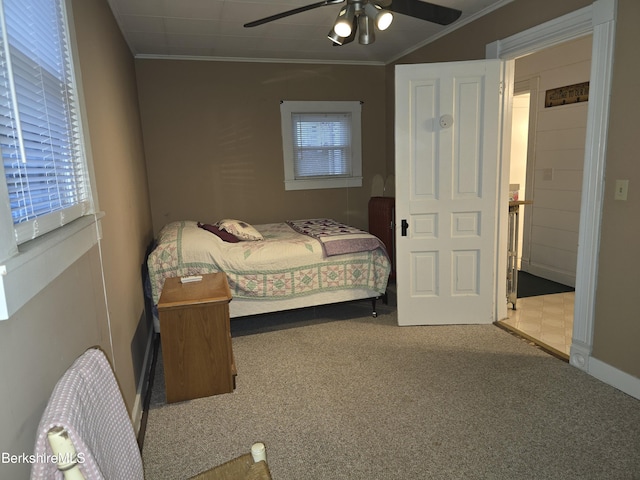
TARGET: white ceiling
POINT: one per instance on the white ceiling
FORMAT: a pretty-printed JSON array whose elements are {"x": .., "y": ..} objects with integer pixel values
[{"x": 214, "y": 29}]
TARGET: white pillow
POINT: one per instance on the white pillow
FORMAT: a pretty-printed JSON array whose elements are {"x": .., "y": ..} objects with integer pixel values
[{"x": 240, "y": 229}]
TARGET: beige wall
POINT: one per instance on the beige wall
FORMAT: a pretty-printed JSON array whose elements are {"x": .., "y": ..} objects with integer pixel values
[
  {"x": 213, "y": 139},
  {"x": 43, "y": 338},
  {"x": 111, "y": 99},
  {"x": 617, "y": 328},
  {"x": 38, "y": 343},
  {"x": 616, "y": 321}
]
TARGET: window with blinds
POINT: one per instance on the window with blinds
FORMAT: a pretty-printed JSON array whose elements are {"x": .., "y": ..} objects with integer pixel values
[
  {"x": 40, "y": 130},
  {"x": 322, "y": 144}
]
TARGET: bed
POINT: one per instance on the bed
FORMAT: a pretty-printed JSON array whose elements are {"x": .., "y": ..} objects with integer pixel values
[{"x": 273, "y": 267}]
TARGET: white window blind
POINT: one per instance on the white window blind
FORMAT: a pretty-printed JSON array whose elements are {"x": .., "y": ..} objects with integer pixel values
[
  {"x": 321, "y": 144},
  {"x": 40, "y": 131}
]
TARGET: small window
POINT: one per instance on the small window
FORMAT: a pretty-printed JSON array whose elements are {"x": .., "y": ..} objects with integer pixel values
[{"x": 322, "y": 144}]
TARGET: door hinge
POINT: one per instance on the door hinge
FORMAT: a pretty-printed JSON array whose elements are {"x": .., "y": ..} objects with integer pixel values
[{"x": 501, "y": 88}]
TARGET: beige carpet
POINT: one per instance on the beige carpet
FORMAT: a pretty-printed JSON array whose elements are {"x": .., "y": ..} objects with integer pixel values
[{"x": 336, "y": 394}]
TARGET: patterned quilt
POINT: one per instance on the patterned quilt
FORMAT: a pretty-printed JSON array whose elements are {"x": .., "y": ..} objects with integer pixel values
[
  {"x": 337, "y": 238},
  {"x": 284, "y": 265}
]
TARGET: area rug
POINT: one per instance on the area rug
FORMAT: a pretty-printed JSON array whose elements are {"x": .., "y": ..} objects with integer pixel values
[{"x": 531, "y": 286}]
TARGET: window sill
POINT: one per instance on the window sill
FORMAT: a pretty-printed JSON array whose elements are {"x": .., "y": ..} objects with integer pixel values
[
  {"x": 314, "y": 184},
  {"x": 40, "y": 261}
]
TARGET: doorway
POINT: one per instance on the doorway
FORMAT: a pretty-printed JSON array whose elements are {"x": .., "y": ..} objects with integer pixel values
[
  {"x": 597, "y": 19},
  {"x": 546, "y": 168}
]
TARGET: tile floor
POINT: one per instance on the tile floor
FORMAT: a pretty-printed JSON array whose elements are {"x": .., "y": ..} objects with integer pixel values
[{"x": 547, "y": 320}]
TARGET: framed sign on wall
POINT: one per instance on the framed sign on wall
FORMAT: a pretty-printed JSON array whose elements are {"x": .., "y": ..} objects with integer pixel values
[{"x": 566, "y": 95}]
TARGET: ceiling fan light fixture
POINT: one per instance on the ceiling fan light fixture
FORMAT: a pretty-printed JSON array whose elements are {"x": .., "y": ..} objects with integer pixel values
[
  {"x": 335, "y": 38},
  {"x": 382, "y": 18},
  {"x": 366, "y": 30},
  {"x": 344, "y": 22}
]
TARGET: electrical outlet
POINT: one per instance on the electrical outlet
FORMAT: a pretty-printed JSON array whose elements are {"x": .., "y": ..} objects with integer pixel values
[{"x": 622, "y": 189}]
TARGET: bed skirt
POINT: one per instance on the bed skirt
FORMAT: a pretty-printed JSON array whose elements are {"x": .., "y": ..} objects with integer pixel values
[{"x": 243, "y": 308}]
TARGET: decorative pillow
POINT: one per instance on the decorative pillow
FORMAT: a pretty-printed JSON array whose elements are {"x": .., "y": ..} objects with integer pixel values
[
  {"x": 240, "y": 229},
  {"x": 224, "y": 235}
]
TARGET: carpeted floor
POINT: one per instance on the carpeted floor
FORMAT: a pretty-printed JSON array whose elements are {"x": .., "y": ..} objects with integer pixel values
[
  {"x": 337, "y": 394},
  {"x": 531, "y": 286}
]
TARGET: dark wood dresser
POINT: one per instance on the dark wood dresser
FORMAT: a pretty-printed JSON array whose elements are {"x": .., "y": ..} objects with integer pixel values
[{"x": 382, "y": 225}]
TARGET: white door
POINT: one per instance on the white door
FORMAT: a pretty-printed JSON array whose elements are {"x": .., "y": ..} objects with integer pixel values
[{"x": 447, "y": 132}]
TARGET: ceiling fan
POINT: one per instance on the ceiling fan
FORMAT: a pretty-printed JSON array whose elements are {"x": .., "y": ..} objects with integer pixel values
[{"x": 364, "y": 15}]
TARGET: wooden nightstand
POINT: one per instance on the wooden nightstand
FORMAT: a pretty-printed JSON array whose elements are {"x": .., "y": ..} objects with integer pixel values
[{"x": 196, "y": 338}]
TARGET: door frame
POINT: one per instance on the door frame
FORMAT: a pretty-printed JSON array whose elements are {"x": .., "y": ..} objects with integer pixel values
[
  {"x": 531, "y": 86},
  {"x": 598, "y": 20}
]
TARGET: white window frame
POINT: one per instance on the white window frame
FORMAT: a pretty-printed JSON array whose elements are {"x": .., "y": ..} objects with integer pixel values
[
  {"x": 287, "y": 108},
  {"x": 27, "y": 268}
]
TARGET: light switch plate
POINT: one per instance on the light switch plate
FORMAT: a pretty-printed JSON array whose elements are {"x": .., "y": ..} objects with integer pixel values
[{"x": 622, "y": 189}]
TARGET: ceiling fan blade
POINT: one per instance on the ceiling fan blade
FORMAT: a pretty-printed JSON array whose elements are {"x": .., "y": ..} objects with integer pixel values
[
  {"x": 425, "y": 11},
  {"x": 294, "y": 11}
]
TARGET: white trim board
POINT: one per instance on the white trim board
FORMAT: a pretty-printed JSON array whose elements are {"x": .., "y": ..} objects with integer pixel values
[
  {"x": 614, "y": 377},
  {"x": 25, "y": 274}
]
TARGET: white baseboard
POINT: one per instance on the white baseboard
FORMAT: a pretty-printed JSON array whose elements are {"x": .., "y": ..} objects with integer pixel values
[
  {"x": 614, "y": 377},
  {"x": 138, "y": 405}
]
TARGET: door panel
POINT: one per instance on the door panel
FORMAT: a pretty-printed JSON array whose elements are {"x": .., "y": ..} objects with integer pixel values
[{"x": 446, "y": 182}]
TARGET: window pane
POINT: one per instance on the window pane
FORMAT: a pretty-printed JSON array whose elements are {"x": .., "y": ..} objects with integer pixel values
[{"x": 321, "y": 144}]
